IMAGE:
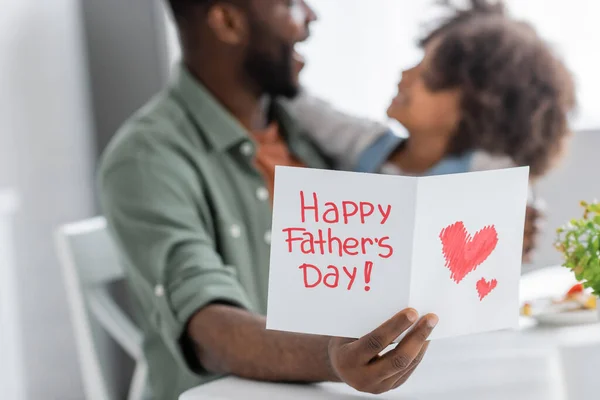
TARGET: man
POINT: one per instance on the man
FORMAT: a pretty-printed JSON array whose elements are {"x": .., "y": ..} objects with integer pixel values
[{"x": 185, "y": 186}]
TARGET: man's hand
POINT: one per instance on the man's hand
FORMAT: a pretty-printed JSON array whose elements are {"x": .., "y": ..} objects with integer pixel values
[
  {"x": 229, "y": 340},
  {"x": 358, "y": 363}
]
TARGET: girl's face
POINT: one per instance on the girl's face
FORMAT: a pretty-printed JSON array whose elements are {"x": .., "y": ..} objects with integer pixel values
[{"x": 422, "y": 111}]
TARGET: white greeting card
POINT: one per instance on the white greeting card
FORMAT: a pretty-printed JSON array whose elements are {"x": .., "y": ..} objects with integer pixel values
[{"x": 349, "y": 250}]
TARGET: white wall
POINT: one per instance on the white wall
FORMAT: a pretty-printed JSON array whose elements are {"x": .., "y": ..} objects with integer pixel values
[
  {"x": 572, "y": 28},
  {"x": 172, "y": 41},
  {"x": 11, "y": 359},
  {"x": 45, "y": 154},
  {"x": 357, "y": 50},
  {"x": 575, "y": 179}
]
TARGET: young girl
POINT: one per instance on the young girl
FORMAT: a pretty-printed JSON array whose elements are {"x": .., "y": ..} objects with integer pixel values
[{"x": 489, "y": 93}]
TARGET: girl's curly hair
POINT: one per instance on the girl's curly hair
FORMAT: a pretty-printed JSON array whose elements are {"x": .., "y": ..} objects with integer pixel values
[{"x": 516, "y": 94}]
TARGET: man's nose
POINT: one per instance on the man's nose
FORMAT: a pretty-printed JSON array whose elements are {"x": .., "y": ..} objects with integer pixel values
[{"x": 305, "y": 15}]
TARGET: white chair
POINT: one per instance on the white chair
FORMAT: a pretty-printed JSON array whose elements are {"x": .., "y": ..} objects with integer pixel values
[{"x": 103, "y": 329}]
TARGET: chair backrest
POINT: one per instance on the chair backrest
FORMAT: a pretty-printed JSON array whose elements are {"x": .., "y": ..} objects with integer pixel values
[{"x": 109, "y": 344}]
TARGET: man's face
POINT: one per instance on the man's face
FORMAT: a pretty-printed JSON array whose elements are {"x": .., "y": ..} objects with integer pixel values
[{"x": 271, "y": 61}]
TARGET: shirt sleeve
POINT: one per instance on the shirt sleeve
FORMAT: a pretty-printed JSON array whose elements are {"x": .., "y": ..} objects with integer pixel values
[
  {"x": 353, "y": 143},
  {"x": 153, "y": 211}
]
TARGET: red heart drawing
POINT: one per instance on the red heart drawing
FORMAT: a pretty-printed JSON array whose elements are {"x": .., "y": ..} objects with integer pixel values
[
  {"x": 484, "y": 288},
  {"x": 464, "y": 253}
]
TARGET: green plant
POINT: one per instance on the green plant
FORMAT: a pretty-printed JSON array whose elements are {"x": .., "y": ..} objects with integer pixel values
[{"x": 579, "y": 242}]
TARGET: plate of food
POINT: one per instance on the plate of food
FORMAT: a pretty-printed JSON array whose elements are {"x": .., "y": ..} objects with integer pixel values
[{"x": 577, "y": 306}]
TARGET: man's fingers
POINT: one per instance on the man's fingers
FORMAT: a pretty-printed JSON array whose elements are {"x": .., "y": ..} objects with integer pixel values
[
  {"x": 401, "y": 377},
  {"x": 532, "y": 218},
  {"x": 532, "y": 227},
  {"x": 533, "y": 211},
  {"x": 370, "y": 345},
  {"x": 406, "y": 352}
]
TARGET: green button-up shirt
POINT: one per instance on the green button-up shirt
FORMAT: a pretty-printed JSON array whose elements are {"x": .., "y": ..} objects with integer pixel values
[{"x": 191, "y": 217}]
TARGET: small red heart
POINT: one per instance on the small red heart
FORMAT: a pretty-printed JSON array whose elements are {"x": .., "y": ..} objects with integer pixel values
[
  {"x": 464, "y": 253},
  {"x": 484, "y": 288}
]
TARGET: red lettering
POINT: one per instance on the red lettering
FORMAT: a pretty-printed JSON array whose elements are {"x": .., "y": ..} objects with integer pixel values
[
  {"x": 364, "y": 206},
  {"x": 291, "y": 239},
  {"x": 363, "y": 242},
  {"x": 305, "y": 267},
  {"x": 308, "y": 245},
  {"x": 384, "y": 213},
  {"x": 383, "y": 245},
  {"x": 368, "y": 270},
  {"x": 321, "y": 242},
  {"x": 351, "y": 276},
  {"x": 349, "y": 247},
  {"x": 332, "y": 209},
  {"x": 336, "y": 277},
  {"x": 331, "y": 239},
  {"x": 348, "y": 213},
  {"x": 304, "y": 207},
  {"x": 313, "y": 276}
]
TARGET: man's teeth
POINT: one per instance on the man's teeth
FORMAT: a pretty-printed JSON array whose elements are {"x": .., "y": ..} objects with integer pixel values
[{"x": 297, "y": 56}]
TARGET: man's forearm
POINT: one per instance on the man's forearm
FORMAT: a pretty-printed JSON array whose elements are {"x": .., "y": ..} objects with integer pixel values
[{"x": 230, "y": 340}]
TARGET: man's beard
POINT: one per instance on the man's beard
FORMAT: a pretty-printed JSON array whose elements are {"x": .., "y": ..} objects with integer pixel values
[{"x": 273, "y": 78}]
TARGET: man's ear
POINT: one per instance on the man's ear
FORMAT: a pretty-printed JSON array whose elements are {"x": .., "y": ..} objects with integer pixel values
[{"x": 228, "y": 23}]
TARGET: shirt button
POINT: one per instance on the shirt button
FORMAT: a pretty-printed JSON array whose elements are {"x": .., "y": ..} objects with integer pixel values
[
  {"x": 235, "y": 231},
  {"x": 159, "y": 290},
  {"x": 262, "y": 193},
  {"x": 268, "y": 237},
  {"x": 246, "y": 149}
]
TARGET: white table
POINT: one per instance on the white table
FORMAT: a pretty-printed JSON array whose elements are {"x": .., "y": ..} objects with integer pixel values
[{"x": 521, "y": 365}]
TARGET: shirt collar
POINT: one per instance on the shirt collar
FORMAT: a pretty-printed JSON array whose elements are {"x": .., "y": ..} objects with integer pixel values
[{"x": 219, "y": 126}]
